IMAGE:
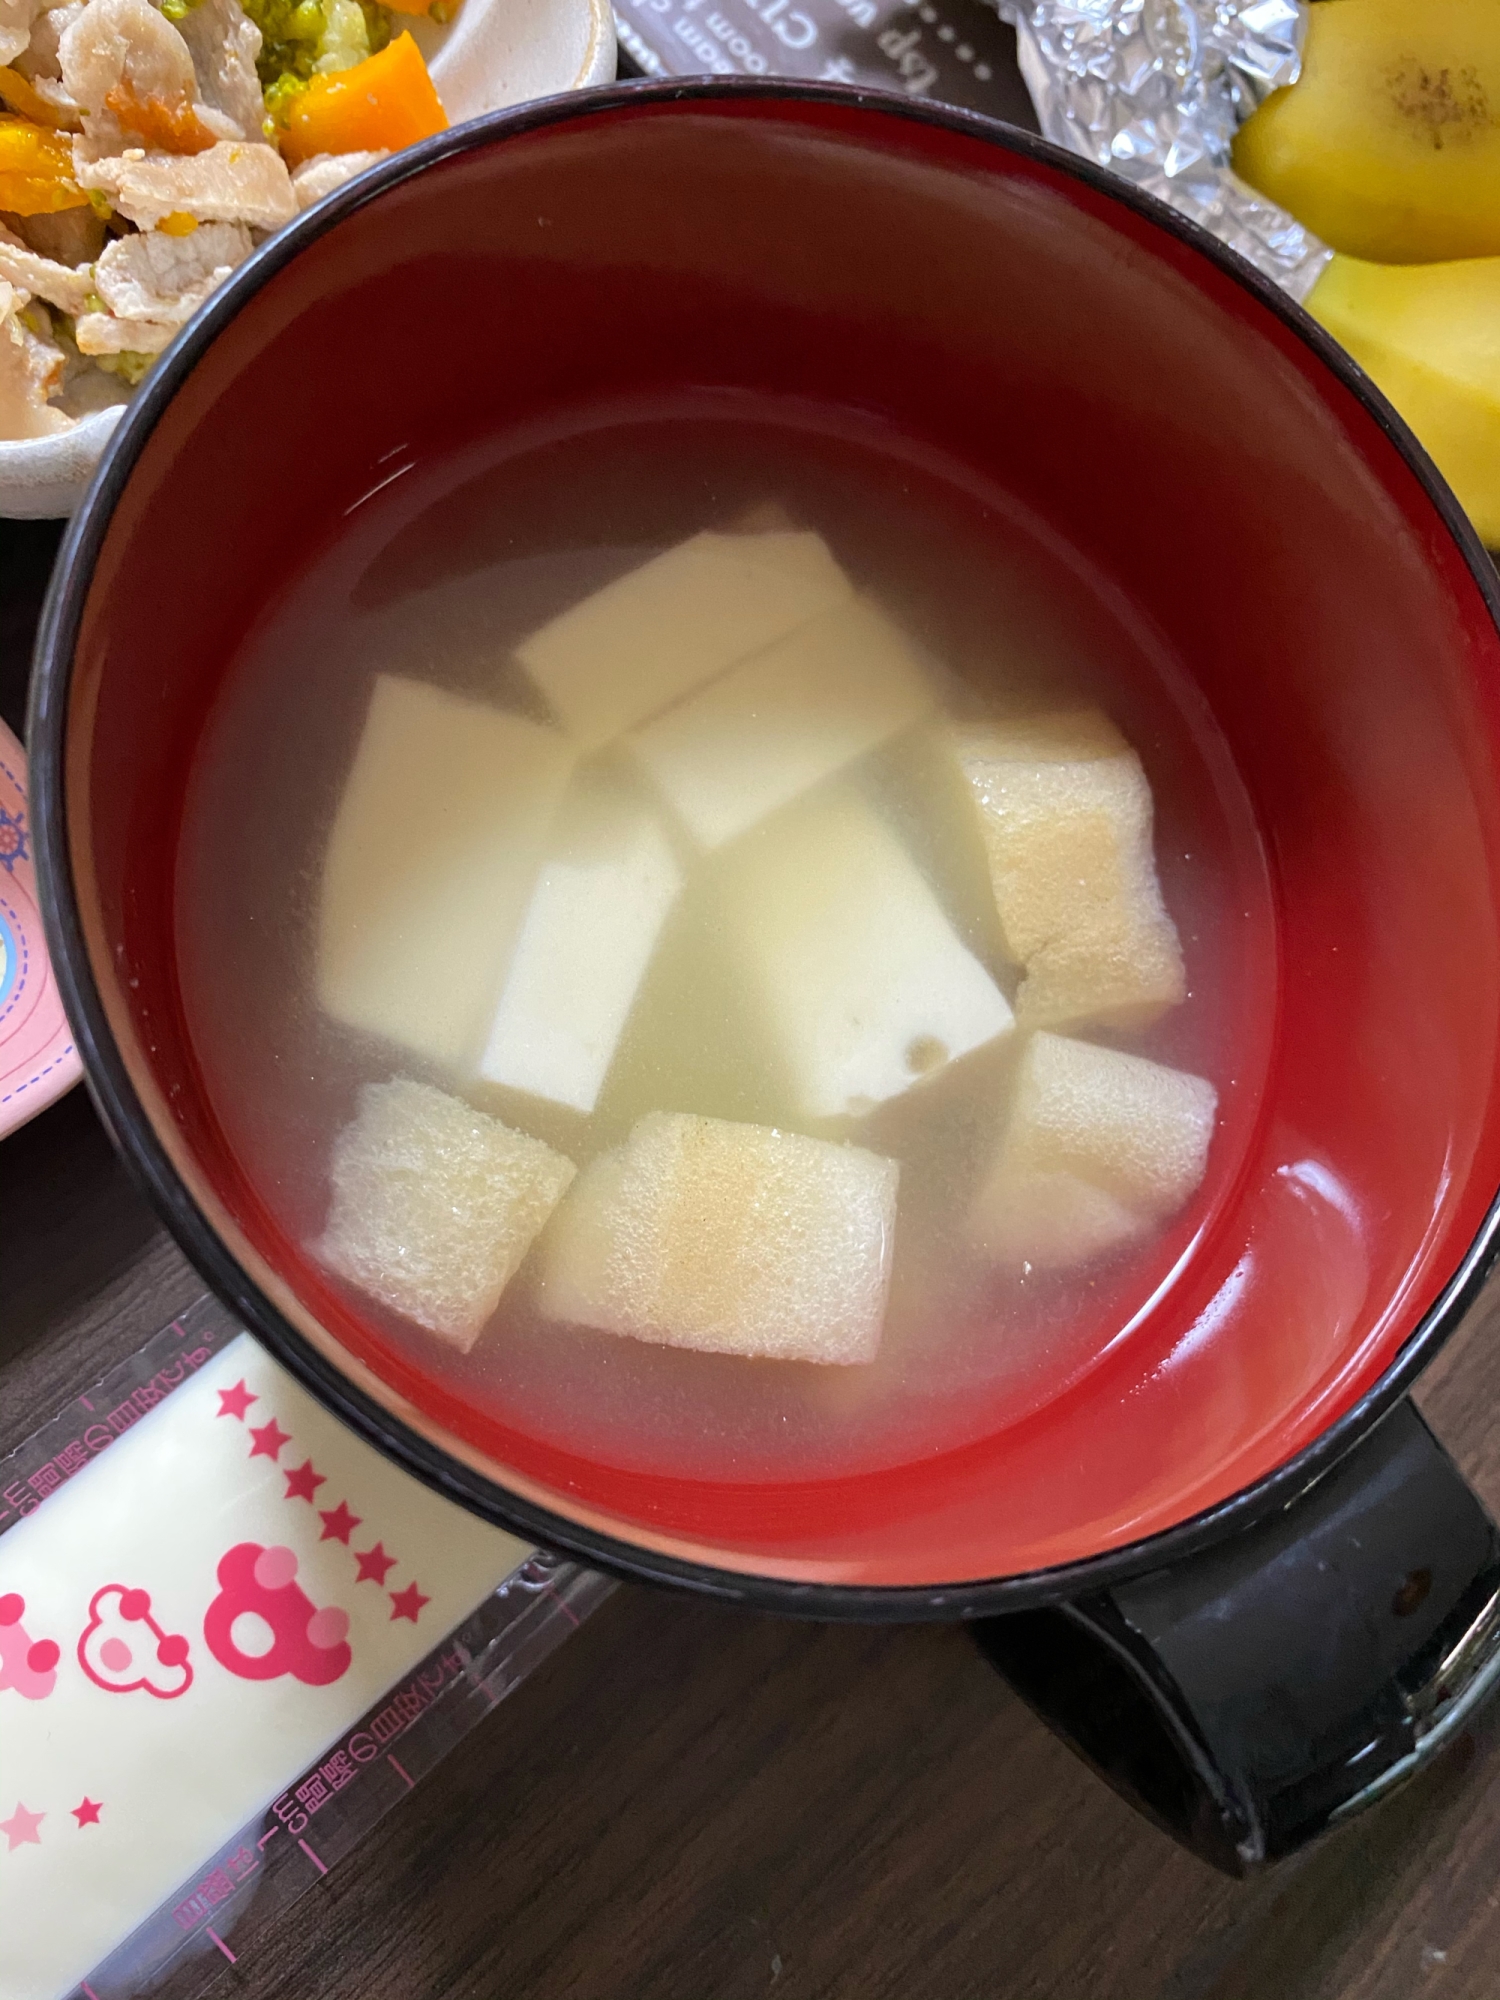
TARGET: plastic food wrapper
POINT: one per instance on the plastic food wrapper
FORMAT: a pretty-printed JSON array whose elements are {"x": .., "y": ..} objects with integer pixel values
[
  {"x": 1152, "y": 89},
  {"x": 1155, "y": 90},
  {"x": 232, "y": 1637},
  {"x": 951, "y": 51}
]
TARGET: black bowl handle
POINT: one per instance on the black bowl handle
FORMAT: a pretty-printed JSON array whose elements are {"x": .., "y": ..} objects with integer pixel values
[{"x": 1252, "y": 1695}]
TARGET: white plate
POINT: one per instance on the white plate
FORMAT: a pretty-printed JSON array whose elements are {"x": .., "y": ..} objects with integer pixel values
[{"x": 496, "y": 53}]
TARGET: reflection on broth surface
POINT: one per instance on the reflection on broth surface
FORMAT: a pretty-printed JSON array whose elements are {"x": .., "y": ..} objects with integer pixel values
[{"x": 737, "y": 949}]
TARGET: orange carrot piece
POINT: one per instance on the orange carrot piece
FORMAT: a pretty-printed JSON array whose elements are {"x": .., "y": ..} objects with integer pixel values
[
  {"x": 36, "y": 169},
  {"x": 19, "y": 95},
  {"x": 169, "y": 125},
  {"x": 387, "y": 101}
]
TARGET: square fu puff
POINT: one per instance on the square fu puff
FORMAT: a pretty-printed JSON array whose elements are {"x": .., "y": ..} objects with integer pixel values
[
  {"x": 435, "y": 1205},
  {"x": 728, "y": 1238},
  {"x": 1098, "y": 1149},
  {"x": 1065, "y": 812}
]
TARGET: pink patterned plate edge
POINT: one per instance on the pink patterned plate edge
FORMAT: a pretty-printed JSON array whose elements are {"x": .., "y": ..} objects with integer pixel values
[{"x": 38, "y": 1061}]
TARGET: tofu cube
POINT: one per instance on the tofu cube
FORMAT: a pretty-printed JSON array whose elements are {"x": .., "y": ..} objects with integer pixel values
[
  {"x": 605, "y": 890},
  {"x": 435, "y": 1205},
  {"x": 431, "y": 860},
  {"x": 727, "y": 1238},
  {"x": 654, "y": 635},
  {"x": 1099, "y": 1147},
  {"x": 864, "y": 985},
  {"x": 780, "y": 722},
  {"x": 1065, "y": 813}
]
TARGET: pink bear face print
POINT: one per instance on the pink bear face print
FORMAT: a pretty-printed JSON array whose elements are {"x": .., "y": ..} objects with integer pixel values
[
  {"x": 258, "y": 1593},
  {"x": 28, "y": 1665},
  {"x": 123, "y": 1649}
]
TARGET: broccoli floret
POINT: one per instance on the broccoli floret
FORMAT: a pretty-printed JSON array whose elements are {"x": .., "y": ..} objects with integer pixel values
[
  {"x": 290, "y": 31},
  {"x": 305, "y": 38},
  {"x": 377, "y": 24},
  {"x": 300, "y": 39},
  {"x": 278, "y": 96},
  {"x": 289, "y": 37}
]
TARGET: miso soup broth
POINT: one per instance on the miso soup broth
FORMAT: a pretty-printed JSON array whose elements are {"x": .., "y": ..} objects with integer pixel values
[{"x": 745, "y": 893}]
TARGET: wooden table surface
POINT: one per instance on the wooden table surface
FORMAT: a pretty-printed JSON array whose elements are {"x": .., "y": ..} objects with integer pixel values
[{"x": 688, "y": 1803}]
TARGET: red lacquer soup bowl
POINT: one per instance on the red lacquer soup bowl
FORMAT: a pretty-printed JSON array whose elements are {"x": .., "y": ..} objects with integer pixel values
[{"x": 1228, "y": 1560}]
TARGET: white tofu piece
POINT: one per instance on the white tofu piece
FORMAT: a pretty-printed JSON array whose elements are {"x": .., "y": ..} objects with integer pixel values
[
  {"x": 728, "y": 1238},
  {"x": 434, "y": 1205},
  {"x": 1099, "y": 1147},
  {"x": 433, "y": 854},
  {"x": 605, "y": 890},
  {"x": 654, "y": 635},
  {"x": 1065, "y": 812},
  {"x": 780, "y": 722},
  {"x": 864, "y": 984}
]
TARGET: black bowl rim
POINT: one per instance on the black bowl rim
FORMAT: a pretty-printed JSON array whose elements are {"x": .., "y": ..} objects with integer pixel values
[{"x": 131, "y": 1129}]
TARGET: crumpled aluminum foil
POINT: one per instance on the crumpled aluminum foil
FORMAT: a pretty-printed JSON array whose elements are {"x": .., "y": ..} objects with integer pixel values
[{"x": 1156, "y": 89}]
